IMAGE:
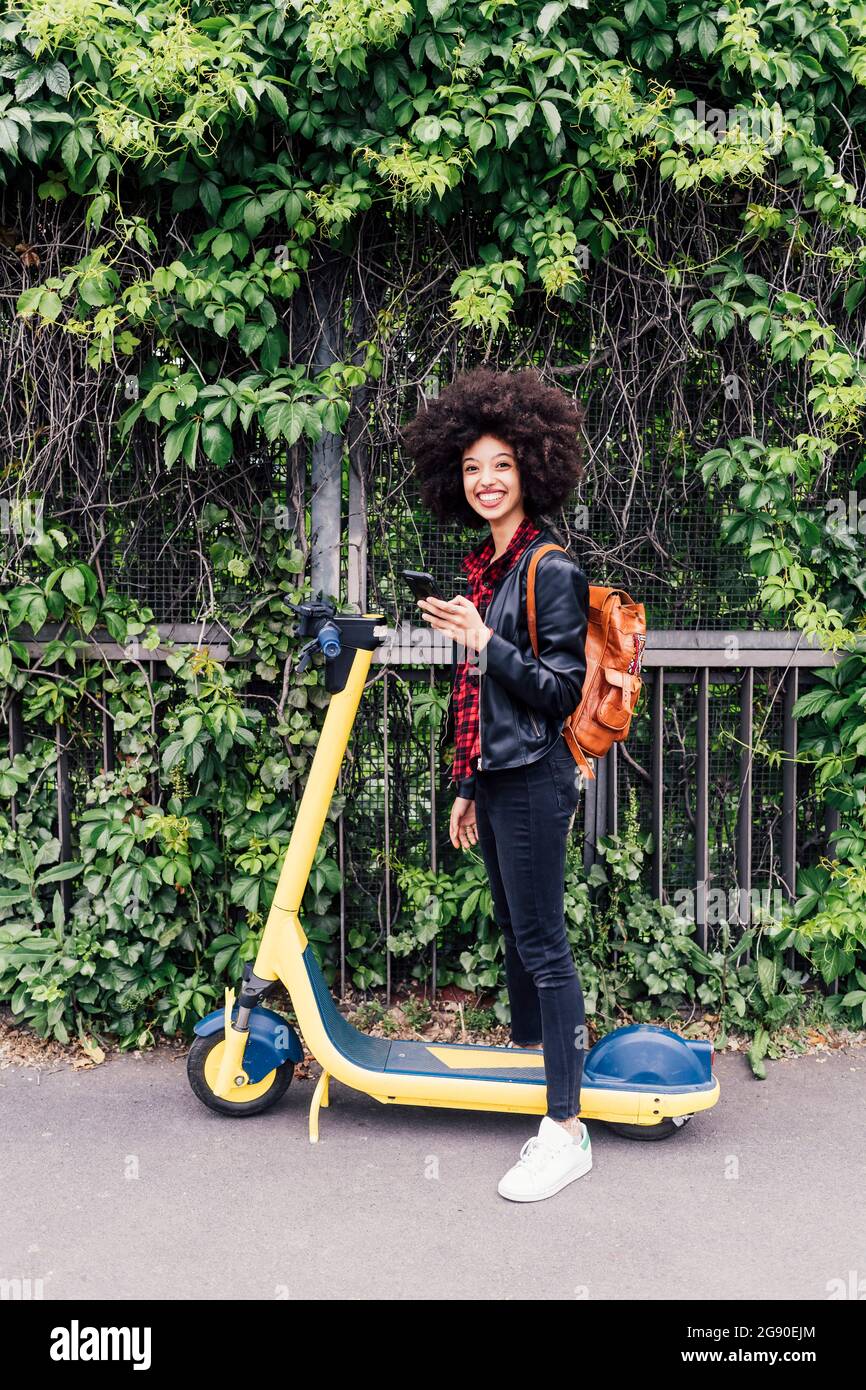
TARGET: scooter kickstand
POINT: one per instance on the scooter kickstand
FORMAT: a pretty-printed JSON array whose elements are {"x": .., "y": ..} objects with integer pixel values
[{"x": 320, "y": 1098}]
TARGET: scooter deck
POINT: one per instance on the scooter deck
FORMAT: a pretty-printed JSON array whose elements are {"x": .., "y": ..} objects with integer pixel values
[
  {"x": 502, "y": 1066},
  {"x": 459, "y": 1060}
]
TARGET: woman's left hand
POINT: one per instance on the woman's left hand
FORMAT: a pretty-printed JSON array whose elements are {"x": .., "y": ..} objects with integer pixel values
[{"x": 458, "y": 619}]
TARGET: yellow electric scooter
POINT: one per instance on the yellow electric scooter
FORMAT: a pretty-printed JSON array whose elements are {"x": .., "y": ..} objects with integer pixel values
[{"x": 644, "y": 1080}]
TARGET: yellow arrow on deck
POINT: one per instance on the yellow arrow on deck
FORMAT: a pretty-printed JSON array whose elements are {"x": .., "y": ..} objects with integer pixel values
[{"x": 477, "y": 1059}]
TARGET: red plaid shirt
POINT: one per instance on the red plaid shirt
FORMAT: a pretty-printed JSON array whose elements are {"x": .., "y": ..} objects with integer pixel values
[{"x": 483, "y": 573}]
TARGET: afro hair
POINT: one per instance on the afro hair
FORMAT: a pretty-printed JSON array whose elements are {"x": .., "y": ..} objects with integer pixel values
[{"x": 540, "y": 423}]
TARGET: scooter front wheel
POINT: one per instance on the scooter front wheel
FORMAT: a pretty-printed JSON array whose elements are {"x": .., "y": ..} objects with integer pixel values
[
  {"x": 663, "y": 1130},
  {"x": 202, "y": 1068}
]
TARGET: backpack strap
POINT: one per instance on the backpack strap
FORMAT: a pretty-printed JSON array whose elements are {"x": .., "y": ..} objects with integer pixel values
[
  {"x": 530, "y": 590},
  {"x": 576, "y": 750}
]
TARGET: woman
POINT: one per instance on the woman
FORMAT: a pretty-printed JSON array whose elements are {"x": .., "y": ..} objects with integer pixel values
[{"x": 497, "y": 450}]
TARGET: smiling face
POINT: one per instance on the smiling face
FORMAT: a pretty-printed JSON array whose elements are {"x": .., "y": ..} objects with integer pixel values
[{"x": 491, "y": 480}]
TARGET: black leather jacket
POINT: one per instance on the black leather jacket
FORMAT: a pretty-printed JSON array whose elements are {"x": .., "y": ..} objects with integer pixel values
[{"x": 524, "y": 699}]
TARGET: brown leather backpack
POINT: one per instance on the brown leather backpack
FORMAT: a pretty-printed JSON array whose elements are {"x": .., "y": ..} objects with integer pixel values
[{"x": 615, "y": 641}]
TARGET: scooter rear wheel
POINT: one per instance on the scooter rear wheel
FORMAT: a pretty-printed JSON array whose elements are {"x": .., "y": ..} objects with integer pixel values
[
  {"x": 202, "y": 1066},
  {"x": 663, "y": 1130}
]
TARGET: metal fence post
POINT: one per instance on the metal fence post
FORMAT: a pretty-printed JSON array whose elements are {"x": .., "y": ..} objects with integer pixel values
[
  {"x": 433, "y": 819},
  {"x": 16, "y": 743},
  {"x": 341, "y": 861},
  {"x": 658, "y": 788},
  {"x": 744, "y": 808},
  {"x": 64, "y": 813},
  {"x": 789, "y": 794},
  {"x": 702, "y": 857},
  {"x": 387, "y": 792}
]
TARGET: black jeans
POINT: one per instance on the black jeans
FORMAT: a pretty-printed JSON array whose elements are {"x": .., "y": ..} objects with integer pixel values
[{"x": 524, "y": 816}]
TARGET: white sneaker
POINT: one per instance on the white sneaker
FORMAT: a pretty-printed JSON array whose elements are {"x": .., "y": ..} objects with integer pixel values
[{"x": 548, "y": 1161}]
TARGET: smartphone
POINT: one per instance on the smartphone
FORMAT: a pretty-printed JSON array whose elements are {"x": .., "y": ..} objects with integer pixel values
[{"x": 422, "y": 585}]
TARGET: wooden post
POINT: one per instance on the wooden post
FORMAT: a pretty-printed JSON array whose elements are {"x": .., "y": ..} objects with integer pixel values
[{"x": 327, "y": 451}]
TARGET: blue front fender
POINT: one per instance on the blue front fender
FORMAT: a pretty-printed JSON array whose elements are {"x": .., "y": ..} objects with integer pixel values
[{"x": 272, "y": 1041}]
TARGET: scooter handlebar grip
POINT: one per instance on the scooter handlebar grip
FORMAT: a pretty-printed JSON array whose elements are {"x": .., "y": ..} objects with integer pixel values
[{"x": 329, "y": 641}]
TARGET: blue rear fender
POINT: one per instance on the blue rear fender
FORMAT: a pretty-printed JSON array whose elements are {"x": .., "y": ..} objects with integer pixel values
[
  {"x": 272, "y": 1040},
  {"x": 643, "y": 1055}
]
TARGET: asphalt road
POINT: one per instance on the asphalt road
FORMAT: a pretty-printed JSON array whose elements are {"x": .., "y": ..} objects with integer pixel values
[{"x": 119, "y": 1184}]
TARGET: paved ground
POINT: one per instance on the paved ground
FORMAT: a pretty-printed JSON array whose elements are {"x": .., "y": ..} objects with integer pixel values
[{"x": 118, "y": 1183}]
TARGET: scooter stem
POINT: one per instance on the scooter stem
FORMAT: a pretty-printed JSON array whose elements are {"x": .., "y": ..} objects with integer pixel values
[
  {"x": 298, "y": 861},
  {"x": 324, "y": 771}
]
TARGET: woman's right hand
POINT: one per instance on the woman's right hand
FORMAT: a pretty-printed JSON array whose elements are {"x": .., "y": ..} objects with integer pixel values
[{"x": 463, "y": 828}]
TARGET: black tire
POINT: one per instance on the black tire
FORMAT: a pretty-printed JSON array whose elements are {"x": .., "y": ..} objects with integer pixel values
[
  {"x": 663, "y": 1130},
  {"x": 196, "y": 1067}
]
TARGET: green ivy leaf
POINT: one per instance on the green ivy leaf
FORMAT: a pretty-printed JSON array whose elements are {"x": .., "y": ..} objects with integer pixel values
[
  {"x": 73, "y": 586},
  {"x": 216, "y": 442}
]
